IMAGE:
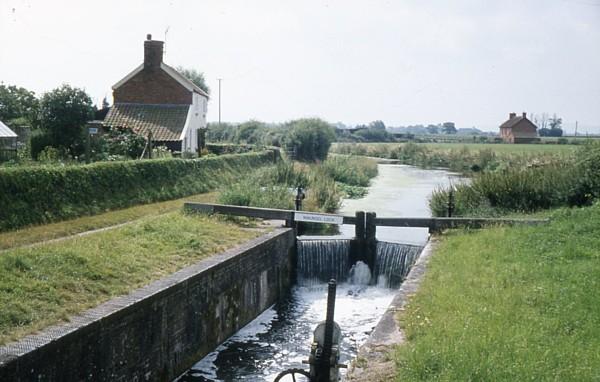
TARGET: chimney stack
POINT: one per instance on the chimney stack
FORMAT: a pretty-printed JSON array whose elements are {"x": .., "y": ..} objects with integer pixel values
[
  {"x": 524, "y": 115},
  {"x": 512, "y": 115},
  {"x": 153, "y": 53}
]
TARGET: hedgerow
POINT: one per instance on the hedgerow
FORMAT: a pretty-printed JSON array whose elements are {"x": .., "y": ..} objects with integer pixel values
[{"x": 42, "y": 194}]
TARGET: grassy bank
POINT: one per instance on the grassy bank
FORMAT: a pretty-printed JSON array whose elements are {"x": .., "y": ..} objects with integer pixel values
[
  {"x": 509, "y": 304},
  {"x": 38, "y": 234},
  {"x": 44, "y": 285}
]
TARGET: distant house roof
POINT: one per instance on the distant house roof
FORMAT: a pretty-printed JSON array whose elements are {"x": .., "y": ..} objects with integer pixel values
[
  {"x": 5, "y": 132},
  {"x": 184, "y": 81},
  {"x": 166, "y": 122},
  {"x": 512, "y": 121}
]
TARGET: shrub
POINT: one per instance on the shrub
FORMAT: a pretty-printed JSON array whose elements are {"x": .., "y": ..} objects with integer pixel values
[
  {"x": 38, "y": 141},
  {"x": 308, "y": 140},
  {"x": 33, "y": 195},
  {"x": 517, "y": 189},
  {"x": 353, "y": 171}
]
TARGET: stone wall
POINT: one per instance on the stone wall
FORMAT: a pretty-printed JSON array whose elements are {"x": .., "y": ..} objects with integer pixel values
[{"x": 157, "y": 332}]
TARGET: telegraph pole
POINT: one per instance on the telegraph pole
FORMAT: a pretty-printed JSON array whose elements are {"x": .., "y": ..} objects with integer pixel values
[{"x": 219, "y": 79}]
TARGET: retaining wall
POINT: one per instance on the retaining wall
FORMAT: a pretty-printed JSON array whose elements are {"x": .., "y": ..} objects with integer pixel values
[{"x": 159, "y": 331}]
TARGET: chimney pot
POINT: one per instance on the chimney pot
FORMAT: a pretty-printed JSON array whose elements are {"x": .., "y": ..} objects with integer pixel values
[
  {"x": 148, "y": 37},
  {"x": 512, "y": 115},
  {"x": 524, "y": 115}
]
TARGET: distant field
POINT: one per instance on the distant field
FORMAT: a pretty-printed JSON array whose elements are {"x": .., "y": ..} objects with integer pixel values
[
  {"x": 497, "y": 147},
  {"x": 506, "y": 148}
]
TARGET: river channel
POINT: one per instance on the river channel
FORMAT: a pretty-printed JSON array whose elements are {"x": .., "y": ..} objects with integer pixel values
[{"x": 280, "y": 338}]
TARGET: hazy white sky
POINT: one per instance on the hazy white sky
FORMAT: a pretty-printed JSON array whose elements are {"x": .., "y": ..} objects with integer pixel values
[{"x": 404, "y": 62}]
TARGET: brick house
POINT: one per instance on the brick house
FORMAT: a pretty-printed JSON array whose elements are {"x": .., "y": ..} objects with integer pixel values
[
  {"x": 155, "y": 98},
  {"x": 518, "y": 129}
]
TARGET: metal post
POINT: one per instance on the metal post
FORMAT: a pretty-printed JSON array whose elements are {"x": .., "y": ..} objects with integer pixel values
[
  {"x": 88, "y": 149},
  {"x": 150, "y": 144},
  {"x": 450, "y": 202},
  {"x": 299, "y": 198},
  {"x": 325, "y": 365},
  {"x": 298, "y": 204},
  {"x": 220, "y": 79}
]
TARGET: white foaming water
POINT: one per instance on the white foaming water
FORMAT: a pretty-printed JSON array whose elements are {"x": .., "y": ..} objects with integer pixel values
[
  {"x": 280, "y": 338},
  {"x": 360, "y": 274}
]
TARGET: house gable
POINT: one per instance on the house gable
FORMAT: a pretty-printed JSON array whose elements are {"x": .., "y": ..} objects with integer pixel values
[{"x": 152, "y": 87}]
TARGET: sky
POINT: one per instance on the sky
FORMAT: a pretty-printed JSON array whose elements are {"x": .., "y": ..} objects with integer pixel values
[{"x": 403, "y": 62}]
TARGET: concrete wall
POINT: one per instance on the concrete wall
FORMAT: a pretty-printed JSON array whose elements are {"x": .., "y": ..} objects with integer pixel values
[{"x": 159, "y": 331}]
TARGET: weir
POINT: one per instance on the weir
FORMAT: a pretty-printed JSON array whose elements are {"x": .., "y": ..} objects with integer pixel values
[{"x": 320, "y": 260}]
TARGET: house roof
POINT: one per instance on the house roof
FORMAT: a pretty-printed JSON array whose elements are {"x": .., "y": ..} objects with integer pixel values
[
  {"x": 5, "y": 132},
  {"x": 184, "y": 81},
  {"x": 514, "y": 121},
  {"x": 166, "y": 122}
]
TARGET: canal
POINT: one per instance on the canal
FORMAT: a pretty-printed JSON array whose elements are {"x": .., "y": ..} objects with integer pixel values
[{"x": 280, "y": 338}]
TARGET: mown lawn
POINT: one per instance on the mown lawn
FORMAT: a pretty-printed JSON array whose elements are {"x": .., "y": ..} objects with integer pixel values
[
  {"x": 43, "y": 285},
  {"x": 511, "y": 304},
  {"x": 36, "y": 234}
]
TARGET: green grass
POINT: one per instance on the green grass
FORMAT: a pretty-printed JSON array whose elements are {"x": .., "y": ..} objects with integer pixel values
[
  {"x": 37, "y": 234},
  {"x": 45, "y": 285},
  {"x": 509, "y": 304}
]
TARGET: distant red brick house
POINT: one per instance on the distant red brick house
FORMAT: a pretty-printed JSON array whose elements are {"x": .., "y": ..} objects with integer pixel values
[
  {"x": 518, "y": 129},
  {"x": 156, "y": 98}
]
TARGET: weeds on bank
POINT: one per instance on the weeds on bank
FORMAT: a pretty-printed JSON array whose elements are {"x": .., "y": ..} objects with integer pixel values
[
  {"x": 325, "y": 184},
  {"x": 573, "y": 181}
]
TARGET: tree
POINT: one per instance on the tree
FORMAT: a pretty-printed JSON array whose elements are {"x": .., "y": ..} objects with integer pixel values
[
  {"x": 377, "y": 125},
  {"x": 63, "y": 112},
  {"x": 433, "y": 129},
  {"x": 309, "y": 139},
  {"x": 195, "y": 76},
  {"x": 541, "y": 120},
  {"x": 555, "y": 124},
  {"x": 17, "y": 103},
  {"x": 250, "y": 132},
  {"x": 374, "y": 134},
  {"x": 449, "y": 128}
]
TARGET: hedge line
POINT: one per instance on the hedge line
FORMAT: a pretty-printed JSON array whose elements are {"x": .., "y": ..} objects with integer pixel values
[{"x": 35, "y": 195}]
